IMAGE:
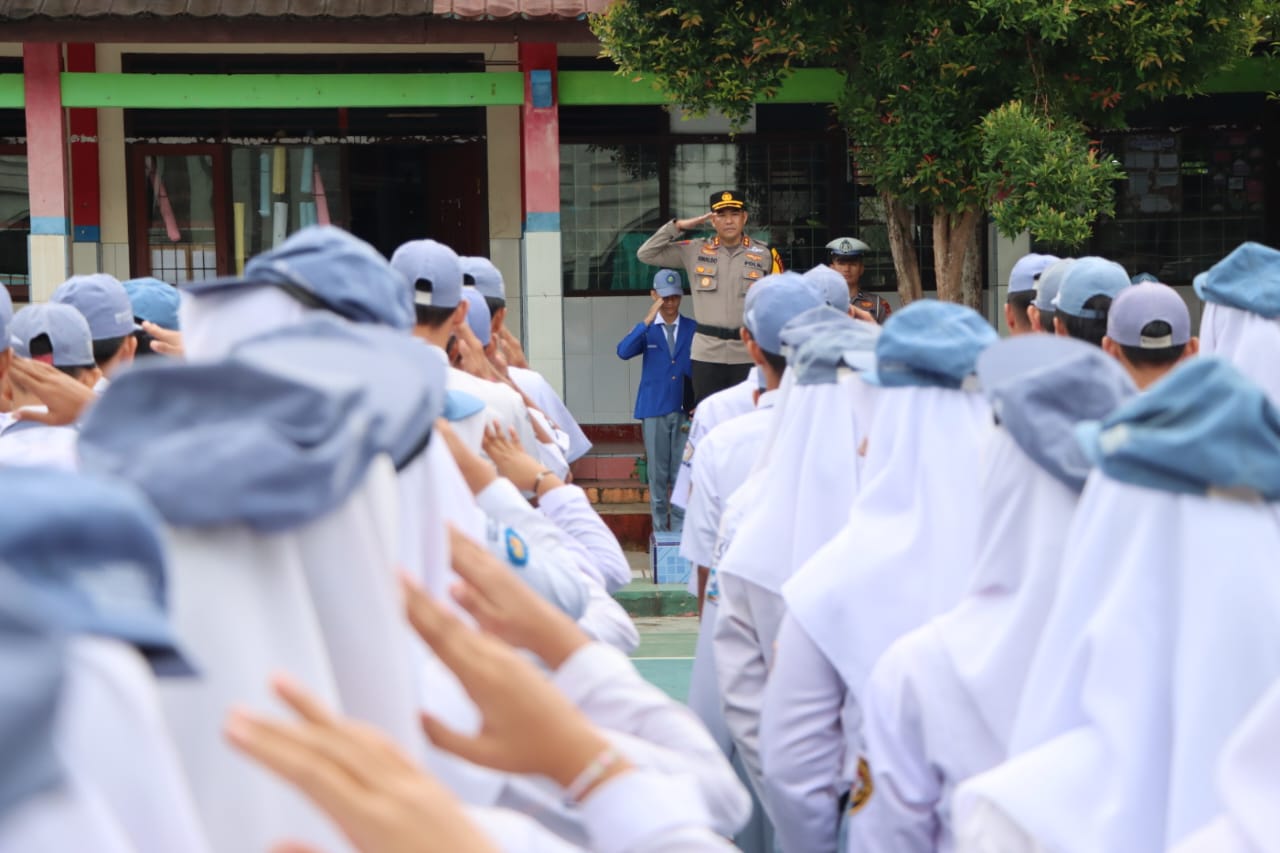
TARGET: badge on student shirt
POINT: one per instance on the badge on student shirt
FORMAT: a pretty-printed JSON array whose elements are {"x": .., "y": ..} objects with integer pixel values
[
  {"x": 862, "y": 788},
  {"x": 517, "y": 551}
]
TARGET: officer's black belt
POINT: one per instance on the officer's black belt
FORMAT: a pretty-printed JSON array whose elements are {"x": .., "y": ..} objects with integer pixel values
[{"x": 718, "y": 332}]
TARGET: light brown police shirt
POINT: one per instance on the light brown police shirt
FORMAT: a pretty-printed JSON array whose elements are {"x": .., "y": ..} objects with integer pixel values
[{"x": 719, "y": 277}]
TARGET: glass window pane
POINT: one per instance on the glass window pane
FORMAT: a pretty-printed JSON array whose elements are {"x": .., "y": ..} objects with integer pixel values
[
  {"x": 278, "y": 190},
  {"x": 181, "y": 227},
  {"x": 609, "y": 205}
]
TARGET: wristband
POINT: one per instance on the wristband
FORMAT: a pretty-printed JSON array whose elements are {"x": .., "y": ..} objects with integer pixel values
[
  {"x": 590, "y": 775},
  {"x": 537, "y": 481}
]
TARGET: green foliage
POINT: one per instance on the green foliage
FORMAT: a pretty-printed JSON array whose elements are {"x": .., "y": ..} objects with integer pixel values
[
  {"x": 955, "y": 105},
  {"x": 1043, "y": 178},
  {"x": 706, "y": 54}
]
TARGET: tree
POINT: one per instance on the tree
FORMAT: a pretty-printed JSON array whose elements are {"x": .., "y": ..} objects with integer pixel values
[{"x": 962, "y": 108}]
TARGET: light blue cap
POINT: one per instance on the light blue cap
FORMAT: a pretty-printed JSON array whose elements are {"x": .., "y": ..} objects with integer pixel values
[
  {"x": 930, "y": 343},
  {"x": 233, "y": 442},
  {"x": 1089, "y": 277},
  {"x": 1142, "y": 277},
  {"x": 154, "y": 300},
  {"x": 1145, "y": 303},
  {"x": 834, "y": 288},
  {"x": 1042, "y": 386},
  {"x": 1049, "y": 282},
  {"x": 772, "y": 302},
  {"x": 326, "y": 267},
  {"x": 32, "y": 671},
  {"x": 102, "y": 299},
  {"x": 92, "y": 550},
  {"x": 822, "y": 340},
  {"x": 1025, "y": 274},
  {"x": 66, "y": 327},
  {"x": 1248, "y": 279},
  {"x": 479, "y": 320},
  {"x": 459, "y": 405},
  {"x": 433, "y": 272},
  {"x": 484, "y": 276},
  {"x": 667, "y": 283},
  {"x": 403, "y": 380},
  {"x": 1201, "y": 429}
]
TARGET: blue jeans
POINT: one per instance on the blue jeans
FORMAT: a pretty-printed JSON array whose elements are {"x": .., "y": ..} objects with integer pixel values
[{"x": 664, "y": 438}]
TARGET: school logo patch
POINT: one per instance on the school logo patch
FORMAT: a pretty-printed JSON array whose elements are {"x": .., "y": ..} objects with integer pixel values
[
  {"x": 862, "y": 788},
  {"x": 517, "y": 550}
]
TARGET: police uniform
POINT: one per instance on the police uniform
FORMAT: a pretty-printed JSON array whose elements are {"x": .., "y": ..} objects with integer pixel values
[
  {"x": 851, "y": 247},
  {"x": 719, "y": 277}
]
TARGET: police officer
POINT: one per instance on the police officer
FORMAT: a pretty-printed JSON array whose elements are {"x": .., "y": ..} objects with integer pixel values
[
  {"x": 846, "y": 259},
  {"x": 720, "y": 271}
]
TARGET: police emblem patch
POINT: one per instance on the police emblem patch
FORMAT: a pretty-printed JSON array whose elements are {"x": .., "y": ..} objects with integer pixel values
[
  {"x": 846, "y": 245},
  {"x": 727, "y": 196},
  {"x": 862, "y": 788},
  {"x": 517, "y": 550}
]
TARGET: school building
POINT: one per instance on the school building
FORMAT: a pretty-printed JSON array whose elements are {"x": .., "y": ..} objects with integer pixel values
[{"x": 177, "y": 138}]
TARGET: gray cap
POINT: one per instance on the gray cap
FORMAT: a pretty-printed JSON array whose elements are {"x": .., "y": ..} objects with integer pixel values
[
  {"x": 66, "y": 327},
  {"x": 32, "y": 670},
  {"x": 92, "y": 549},
  {"x": 484, "y": 276},
  {"x": 1087, "y": 278},
  {"x": 103, "y": 301},
  {"x": 822, "y": 340},
  {"x": 1049, "y": 282},
  {"x": 433, "y": 270},
  {"x": 1145, "y": 303},
  {"x": 772, "y": 302},
  {"x": 834, "y": 287},
  {"x": 479, "y": 320},
  {"x": 1026, "y": 272},
  {"x": 667, "y": 283},
  {"x": 1041, "y": 387}
]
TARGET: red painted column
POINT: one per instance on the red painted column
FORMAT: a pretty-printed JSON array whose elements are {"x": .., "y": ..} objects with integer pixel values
[
  {"x": 47, "y": 176},
  {"x": 542, "y": 294},
  {"x": 86, "y": 206},
  {"x": 540, "y": 138}
]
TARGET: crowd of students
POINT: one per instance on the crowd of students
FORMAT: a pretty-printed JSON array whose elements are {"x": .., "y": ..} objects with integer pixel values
[{"x": 311, "y": 573}]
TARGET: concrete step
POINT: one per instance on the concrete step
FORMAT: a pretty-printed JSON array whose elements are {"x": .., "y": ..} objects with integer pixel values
[
  {"x": 614, "y": 460},
  {"x": 610, "y": 492},
  {"x": 631, "y": 523},
  {"x": 602, "y": 433}
]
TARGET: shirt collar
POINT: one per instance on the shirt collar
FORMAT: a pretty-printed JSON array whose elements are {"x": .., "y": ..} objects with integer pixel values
[
  {"x": 767, "y": 399},
  {"x": 660, "y": 321}
]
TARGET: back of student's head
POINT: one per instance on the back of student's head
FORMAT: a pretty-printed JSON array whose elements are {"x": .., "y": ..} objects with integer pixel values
[
  {"x": 1091, "y": 329},
  {"x": 1166, "y": 356},
  {"x": 41, "y": 348}
]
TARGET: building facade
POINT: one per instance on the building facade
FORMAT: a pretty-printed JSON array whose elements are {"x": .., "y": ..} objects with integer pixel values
[{"x": 178, "y": 138}]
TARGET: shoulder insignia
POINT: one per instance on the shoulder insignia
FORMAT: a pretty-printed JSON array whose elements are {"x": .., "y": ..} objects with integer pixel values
[
  {"x": 863, "y": 788},
  {"x": 517, "y": 550},
  {"x": 746, "y": 241}
]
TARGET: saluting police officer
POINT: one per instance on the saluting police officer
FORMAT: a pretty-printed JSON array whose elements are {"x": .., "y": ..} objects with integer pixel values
[
  {"x": 720, "y": 270},
  {"x": 846, "y": 259}
]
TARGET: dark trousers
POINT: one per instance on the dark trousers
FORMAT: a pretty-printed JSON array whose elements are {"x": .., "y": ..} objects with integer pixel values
[{"x": 710, "y": 377}]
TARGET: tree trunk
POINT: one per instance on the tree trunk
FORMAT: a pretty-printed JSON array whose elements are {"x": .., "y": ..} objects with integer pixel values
[
  {"x": 953, "y": 236},
  {"x": 972, "y": 283},
  {"x": 899, "y": 219}
]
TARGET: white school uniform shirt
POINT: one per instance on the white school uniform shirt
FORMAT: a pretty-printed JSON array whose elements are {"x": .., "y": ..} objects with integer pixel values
[
  {"x": 510, "y": 410},
  {"x": 112, "y": 734},
  {"x": 540, "y": 391},
  {"x": 728, "y": 455},
  {"x": 1247, "y": 783},
  {"x": 72, "y": 816},
  {"x": 1161, "y": 639},
  {"x": 31, "y": 444},
  {"x": 939, "y": 705},
  {"x": 904, "y": 555},
  {"x": 1247, "y": 340},
  {"x": 568, "y": 507},
  {"x": 710, "y": 413}
]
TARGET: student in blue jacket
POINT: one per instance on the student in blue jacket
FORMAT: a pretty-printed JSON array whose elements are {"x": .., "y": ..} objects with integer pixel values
[{"x": 664, "y": 337}]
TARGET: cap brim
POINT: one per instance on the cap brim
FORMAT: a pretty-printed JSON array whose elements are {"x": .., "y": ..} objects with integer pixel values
[
  {"x": 1087, "y": 436},
  {"x": 1199, "y": 283},
  {"x": 861, "y": 360},
  {"x": 732, "y": 205},
  {"x": 214, "y": 285}
]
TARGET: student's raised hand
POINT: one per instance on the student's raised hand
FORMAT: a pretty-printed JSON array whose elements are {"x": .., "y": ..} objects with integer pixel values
[
  {"x": 653, "y": 309},
  {"x": 860, "y": 314},
  {"x": 376, "y": 795},
  {"x": 504, "y": 448},
  {"x": 529, "y": 726},
  {"x": 164, "y": 341},
  {"x": 65, "y": 398},
  {"x": 511, "y": 345},
  {"x": 505, "y": 606}
]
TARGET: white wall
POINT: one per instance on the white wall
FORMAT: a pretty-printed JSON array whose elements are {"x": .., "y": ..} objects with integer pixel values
[{"x": 600, "y": 388}]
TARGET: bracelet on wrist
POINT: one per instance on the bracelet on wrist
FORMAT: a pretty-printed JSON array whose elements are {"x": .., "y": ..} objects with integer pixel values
[
  {"x": 590, "y": 777},
  {"x": 537, "y": 481}
]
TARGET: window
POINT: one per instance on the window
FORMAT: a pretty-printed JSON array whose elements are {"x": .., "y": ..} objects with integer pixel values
[{"x": 15, "y": 226}]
